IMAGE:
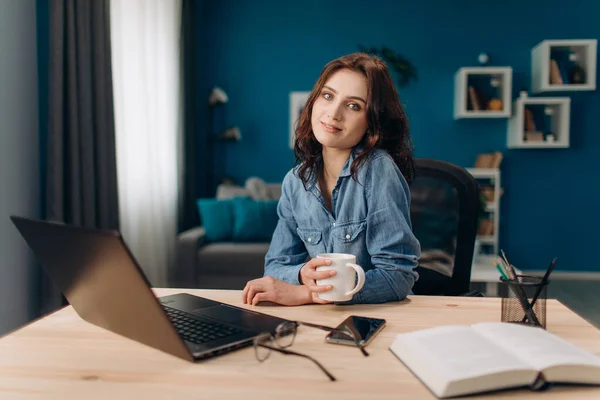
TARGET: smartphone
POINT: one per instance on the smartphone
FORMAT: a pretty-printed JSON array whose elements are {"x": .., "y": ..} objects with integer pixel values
[{"x": 364, "y": 327}]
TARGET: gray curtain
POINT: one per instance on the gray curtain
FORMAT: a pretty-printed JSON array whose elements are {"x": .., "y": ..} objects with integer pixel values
[{"x": 81, "y": 177}]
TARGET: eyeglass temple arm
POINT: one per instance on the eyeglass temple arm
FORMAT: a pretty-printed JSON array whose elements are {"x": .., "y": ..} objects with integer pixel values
[
  {"x": 290, "y": 352},
  {"x": 353, "y": 333},
  {"x": 349, "y": 330},
  {"x": 325, "y": 328}
]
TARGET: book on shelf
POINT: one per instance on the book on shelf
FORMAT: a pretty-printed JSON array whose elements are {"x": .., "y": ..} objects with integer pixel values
[
  {"x": 555, "y": 74},
  {"x": 563, "y": 66},
  {"x": 534, "y": 137},
  {"x": 486, "y": 227},
  {"x": 529, "y": 121},
  {"x": 462, "y": 360},
  {"x": 489, "y": 160},
  {"x": 474, "y": 99}
]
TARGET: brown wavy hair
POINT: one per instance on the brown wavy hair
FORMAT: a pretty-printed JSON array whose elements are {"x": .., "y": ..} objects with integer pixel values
[{"x": 387, "y": 125}]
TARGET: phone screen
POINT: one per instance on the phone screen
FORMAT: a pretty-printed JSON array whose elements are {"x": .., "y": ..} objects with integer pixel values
[{"x": 365, "y": 328}]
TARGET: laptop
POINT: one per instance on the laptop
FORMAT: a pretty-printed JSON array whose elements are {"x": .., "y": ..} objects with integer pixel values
[{"x": 100, "y": 278}]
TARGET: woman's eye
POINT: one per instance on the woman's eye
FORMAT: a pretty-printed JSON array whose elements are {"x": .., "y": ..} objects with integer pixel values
[
  {"x": 327, "y": 96},
  {"x": 354, "y": 107}
]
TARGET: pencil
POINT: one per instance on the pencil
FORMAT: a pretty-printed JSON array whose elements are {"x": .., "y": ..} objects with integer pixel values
[
  {"x": 520, "y": 293},
  {"x": 499, "y": 268},
  {"x": 542, "y": 284}
]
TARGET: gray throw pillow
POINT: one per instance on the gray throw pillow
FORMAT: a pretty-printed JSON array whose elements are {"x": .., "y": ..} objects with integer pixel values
[
  {"x": 258, "y": 189},
  {"x": 227, "y": 192}
]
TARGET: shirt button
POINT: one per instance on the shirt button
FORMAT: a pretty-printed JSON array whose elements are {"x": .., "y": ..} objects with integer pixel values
[
  {"x": 310, "y": 239},
  {"x": 347, "y": 236},
  {"x": 333, "y": 224}
]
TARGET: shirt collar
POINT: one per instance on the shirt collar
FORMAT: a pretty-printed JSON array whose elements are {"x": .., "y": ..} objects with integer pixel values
[
  {"x": 348, "y": 165},
  {"x": 346, "y": 170}
]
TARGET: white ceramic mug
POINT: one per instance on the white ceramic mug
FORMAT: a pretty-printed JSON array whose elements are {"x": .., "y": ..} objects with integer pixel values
[{"x": 344, "y": 281}]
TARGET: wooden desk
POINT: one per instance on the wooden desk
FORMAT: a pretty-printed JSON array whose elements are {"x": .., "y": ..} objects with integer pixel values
[{"x": 61, "y": 356}]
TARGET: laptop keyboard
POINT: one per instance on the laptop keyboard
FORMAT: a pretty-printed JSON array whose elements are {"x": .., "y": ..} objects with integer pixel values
[{"x": 198, "y": 331}]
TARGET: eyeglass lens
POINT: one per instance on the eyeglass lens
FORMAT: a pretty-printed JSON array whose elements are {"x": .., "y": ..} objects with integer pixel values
[
  {"x": 285, "y": 333},
  {"x": 262, "y": 353}
]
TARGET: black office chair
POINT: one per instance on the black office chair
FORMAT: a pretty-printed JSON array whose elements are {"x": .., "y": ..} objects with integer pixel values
[{"x": 444, "y": 214}]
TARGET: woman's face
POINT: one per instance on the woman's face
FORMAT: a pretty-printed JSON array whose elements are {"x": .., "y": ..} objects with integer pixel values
[{"x": 339, "y": 114}]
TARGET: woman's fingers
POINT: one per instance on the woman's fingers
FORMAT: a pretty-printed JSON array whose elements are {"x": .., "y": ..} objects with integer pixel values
[
  {"x": 262, "y": 296},
  {"x": 320, "y": 289},
  {"x": 310, "y": 282},
  {"x": 309, "y": 271},
  {"x": 245, "y": 293},
  {"x": 270, "y": 289},
  {"x": 316, "y": 299},
  {"x": 316, "y": 275},
  {"x": 254, "y": 289}
]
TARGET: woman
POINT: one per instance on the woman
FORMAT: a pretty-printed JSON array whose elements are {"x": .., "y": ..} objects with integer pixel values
[{"x": 349, "y": 192}]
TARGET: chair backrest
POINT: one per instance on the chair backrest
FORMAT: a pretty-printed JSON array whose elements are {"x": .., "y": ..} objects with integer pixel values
[{"x": 444, "y": 213}]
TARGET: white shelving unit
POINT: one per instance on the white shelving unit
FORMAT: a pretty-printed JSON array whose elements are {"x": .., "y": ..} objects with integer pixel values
[
  {"x": 557, "y": 110},
  {"x": 483, "y": 271},
  {"x": 490, "y": 176},
  {"x": 581, "y": 52},
  {"x": 500, "y": 78}
]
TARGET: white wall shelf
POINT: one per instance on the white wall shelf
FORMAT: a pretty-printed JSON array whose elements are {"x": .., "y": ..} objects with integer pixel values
[
  {"x": 553, "y": 112},
  {"x": 484, "y": 239},
  {"x": 573, "y": 57},
  {"x": 482, "y": 92},
  {"x": 483, "y": 172},
  {"x": 489, "y": 177}
]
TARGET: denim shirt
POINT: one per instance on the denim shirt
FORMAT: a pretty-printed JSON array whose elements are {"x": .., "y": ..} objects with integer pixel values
[{"x": 370, "y": 219}]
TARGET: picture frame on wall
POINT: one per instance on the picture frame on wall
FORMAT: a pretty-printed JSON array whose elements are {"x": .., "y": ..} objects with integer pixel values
[{"x": 297, "y": 102}]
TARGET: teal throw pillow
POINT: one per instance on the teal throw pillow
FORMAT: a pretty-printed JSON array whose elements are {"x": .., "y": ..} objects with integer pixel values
[
  {"x": 254, "y": 220},
  {"x": 216, "y": 218}
]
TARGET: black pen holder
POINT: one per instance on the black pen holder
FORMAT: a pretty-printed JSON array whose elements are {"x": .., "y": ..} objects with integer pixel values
[{"x": 524, "y": 300}]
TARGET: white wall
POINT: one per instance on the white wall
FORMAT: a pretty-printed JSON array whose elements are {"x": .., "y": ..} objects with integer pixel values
[{"x": 19, "y": 158}]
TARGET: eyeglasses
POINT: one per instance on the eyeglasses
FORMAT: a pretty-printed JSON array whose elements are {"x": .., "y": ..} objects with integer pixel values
[
  {"x": 345, "y": 331},
  {"x": 285, "y": 334}
]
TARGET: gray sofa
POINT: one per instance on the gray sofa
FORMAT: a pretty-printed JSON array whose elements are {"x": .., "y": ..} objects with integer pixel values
[{"x": 223, "y": 265}]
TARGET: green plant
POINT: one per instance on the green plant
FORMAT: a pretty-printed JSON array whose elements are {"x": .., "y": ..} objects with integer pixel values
[{"x": 405, "y": 70}]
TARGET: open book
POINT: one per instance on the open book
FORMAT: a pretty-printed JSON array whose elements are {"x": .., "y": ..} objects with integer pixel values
[{"x": 459, "y": 360}]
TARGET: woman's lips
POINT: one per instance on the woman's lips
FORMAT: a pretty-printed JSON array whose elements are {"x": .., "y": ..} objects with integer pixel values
[{"x": 330, "y": 128}]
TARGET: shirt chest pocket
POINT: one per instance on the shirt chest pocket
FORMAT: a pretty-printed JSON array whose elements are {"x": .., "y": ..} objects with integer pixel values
[
  {"x": 348, "y": 232},
  {"x": 311, "y": 237}
]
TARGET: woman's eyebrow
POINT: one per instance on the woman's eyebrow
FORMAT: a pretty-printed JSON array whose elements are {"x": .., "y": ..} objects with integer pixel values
[{"x": 349, "y": 97}]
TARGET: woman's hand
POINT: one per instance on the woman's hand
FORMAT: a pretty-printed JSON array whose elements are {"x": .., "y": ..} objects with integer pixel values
[
  {"x": 309, "y": 274},
  {"x": 270, "y": 289}
]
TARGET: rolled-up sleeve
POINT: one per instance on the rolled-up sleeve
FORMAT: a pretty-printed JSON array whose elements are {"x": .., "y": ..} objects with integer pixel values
[
  {"x": 287, "y": 253},
  {"x": 393, "y": 248}
]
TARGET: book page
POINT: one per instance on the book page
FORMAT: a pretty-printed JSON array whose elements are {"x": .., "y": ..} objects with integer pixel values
[
  {"x": 536, "y": 346},
  {"x": 459, "y": 352}
]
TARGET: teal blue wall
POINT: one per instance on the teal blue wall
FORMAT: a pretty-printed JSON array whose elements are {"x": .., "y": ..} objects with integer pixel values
[{"x": 259, "y": 51}]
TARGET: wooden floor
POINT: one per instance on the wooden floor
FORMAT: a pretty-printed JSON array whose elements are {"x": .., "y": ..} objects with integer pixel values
[{"x": 583, "y": 297}]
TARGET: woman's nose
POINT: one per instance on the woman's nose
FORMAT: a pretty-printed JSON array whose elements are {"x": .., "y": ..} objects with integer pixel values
[{"x": 335, "y": 112}]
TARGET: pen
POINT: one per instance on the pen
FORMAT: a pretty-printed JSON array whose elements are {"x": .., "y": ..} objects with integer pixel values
[
  {"x": 520, "y": 293},
  {"x": 501, "y": 272},
  {"x": 501, "y": 263},
  {"x": 542, "y": 284},
  {"x": 509, "y": 268}
]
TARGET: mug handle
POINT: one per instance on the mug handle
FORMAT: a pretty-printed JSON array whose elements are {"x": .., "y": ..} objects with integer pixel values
[{"x": 361, "y": 278}]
